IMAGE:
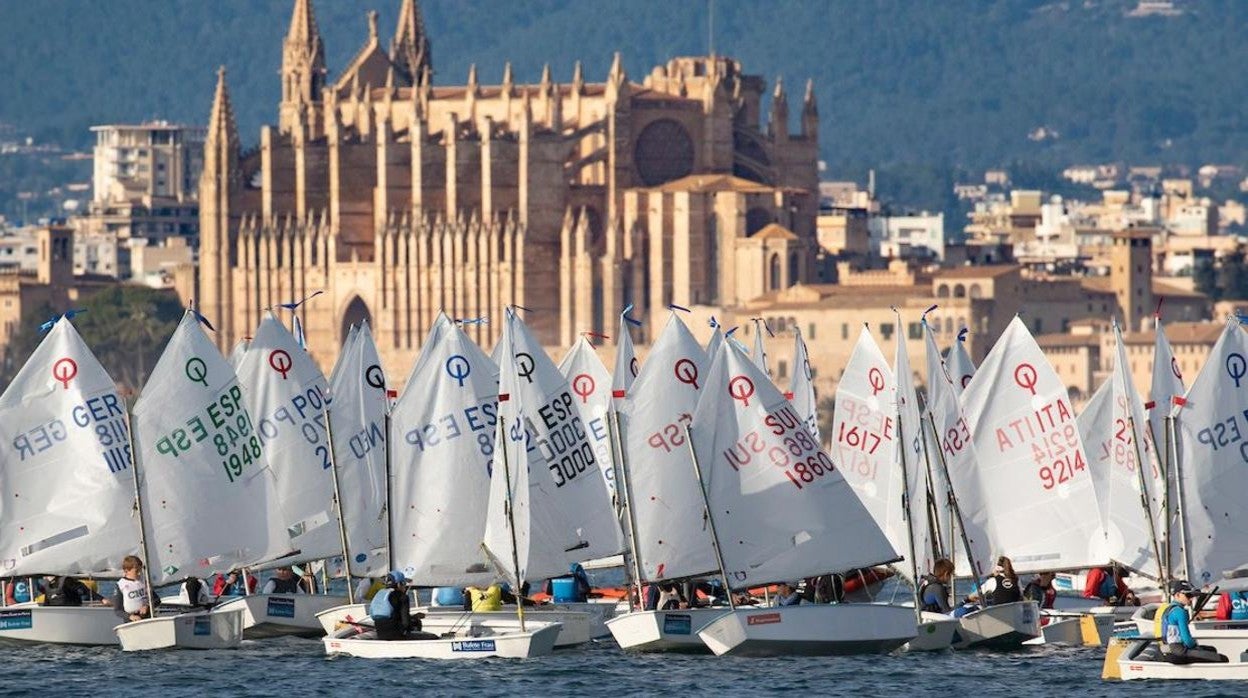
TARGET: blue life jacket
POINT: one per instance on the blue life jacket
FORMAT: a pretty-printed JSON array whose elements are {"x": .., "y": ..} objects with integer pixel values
[
  {"x": 1239, "y": 605},
  {"x": 1108, "y": 588},
  {"x": 1174, "y": 626},
  {"x": 380, "y": 606},
  {"x": 21, "y": 592}
]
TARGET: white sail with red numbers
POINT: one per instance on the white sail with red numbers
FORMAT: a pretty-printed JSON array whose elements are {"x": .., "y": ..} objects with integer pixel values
[
  {"x": 961, "y": 366},
  {"x": 1212, "y": 431},
  {"x": 591, "y": 390},
  {"x": 672, "y": 536},
  {"x": 443, "y": 450},
  {"x": 287, "y": 396},
  {"x": 864, "y": 437},
  {"x": 357, "y": 417},
  {"x": 802, "y": 387},
  {"x": 781, "y": 510},
  {"x": 205, "y": 484},
  {"x": 1108, "y": 428},
  {"x": 910, "y": 456},
  {"x": 1030, "y": 488},
  {"x": 62, "y": 422},
  {"x": 951, "y": 450},
  {"x": 1166, "y": 385}
]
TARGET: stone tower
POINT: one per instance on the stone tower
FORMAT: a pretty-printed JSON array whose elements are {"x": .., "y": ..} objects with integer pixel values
[
  {"x": 1131, "y": 276},
  {"x": 303, "y": 71}
]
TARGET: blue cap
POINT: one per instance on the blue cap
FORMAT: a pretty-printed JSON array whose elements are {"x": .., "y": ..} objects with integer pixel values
[{"x": 396, "y": 577}]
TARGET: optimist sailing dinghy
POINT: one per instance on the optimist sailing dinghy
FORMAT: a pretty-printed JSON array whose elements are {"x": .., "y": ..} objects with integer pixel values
[
  {"x": 779, "y": 510},
  {"x": 576, "y": 627},
  {"x": 275, "y": 615},
  {"x": 199, "y": 630},
  {"x": 63, "y": 421},
  {"x": 458, "y": 637}
]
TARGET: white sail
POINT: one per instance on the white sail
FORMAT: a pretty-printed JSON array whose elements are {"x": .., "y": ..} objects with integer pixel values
[
  {"x": 781, "y": 510},
  {"x": 1212, "y": 427},
  {"x": 443, "y": 449},
  {"x": 568, "y": 483},
  {"x": 523, "y": 512},
  {"x": 672, "y": 535},
  {"x": 864, "y": 437},
  {"x": 237, "y": 354},
  {"x": 357, "y": 418},
  {"x": 961, "y": 367},
  {"x": 1096, "y": 428},
  {"x": 1166, "y": 384},
  {"x": 950, "y": 447},
  {"x": 205, "y": 485},
  {"x": 1131, "y": 431},
  {"x": 802, "y": 387},
  {"x": 1035, "y": 496},
  {"x": 287, "y": 396},
  {"x": 759, "y": 355},
  {"x": 626, "y": 364},
  {"x": 66, "y": 488},
  {"x": 712, "y": 344},
  {"x": 910, "y": 455},
  {"x": 591, "y": 390},
  {"x": 343, "y": 353}
]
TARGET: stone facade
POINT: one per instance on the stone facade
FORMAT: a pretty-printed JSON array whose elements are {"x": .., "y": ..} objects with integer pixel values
[{"x": 400, "y": 198}]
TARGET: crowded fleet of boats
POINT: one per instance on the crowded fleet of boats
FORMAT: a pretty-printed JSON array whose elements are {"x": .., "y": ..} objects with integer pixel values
[{"x": 741, "y": 529}]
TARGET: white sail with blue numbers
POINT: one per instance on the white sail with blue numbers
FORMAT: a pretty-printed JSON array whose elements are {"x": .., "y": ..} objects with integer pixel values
[
  {"x": 66, "y": 488},
  {"x": 1212, "y": 431},
  {"x": 357, "y": 415},
  {"x": 442, "y": 455},
  {"x": 287, "y": 396},
  {"x": 205, "y": 484}
]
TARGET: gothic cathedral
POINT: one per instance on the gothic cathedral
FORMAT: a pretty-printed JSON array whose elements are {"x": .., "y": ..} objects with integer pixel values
[{"x": 400, "y": 198}]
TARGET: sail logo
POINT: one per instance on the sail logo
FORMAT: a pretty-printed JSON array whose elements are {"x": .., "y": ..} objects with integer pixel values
[
  {"x": 741, "y": 389},
  {"x": 458, "y": 368},
  {"x": 64, "y": 371},
  {"x": 687, "y": 372},
  {"x": 583, "y": 385},
  {"x": 1236, "y": 367},
  {"x": 1026, "y": 376},
  {"x": 196, "y": 371},
  {"x": 876, "y": 378},
  {"x": 280, "y": 361}
]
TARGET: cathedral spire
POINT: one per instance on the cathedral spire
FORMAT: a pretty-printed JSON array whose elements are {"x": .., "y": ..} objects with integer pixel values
[
  {"x": 410, "y": 49},
  {"x": 303, "y": 67},
  {"x": 222, "y": 129},
  {"x": 810, "y": 111},
  {"x": 779, "y": 123}
]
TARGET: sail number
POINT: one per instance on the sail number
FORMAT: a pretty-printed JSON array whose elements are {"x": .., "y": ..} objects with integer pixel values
[
  {"x": 563, "y": 441},
  {"x": 784, "y": 443},
  {"x": 226, "y": 425},
  {"x": 1225, "y": 433},
  {"x": 1058, "y": 456}
]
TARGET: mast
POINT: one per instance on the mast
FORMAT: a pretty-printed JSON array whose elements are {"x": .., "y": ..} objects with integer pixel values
[
  {"x": 955, "y": 510},
  {"x": 908, "y": 514},
  {"x": 1148, "y": 510},
  {"x": 138, "y": 507},
  {"x": 389, "y": 487},
  {"x": 1182, "y": 504},
  {"x": 624, "y": 494},
  {"x": 710, "y": 519},
  {"x": 342, "y": 526},
  {"x": 511, "y": 521}
]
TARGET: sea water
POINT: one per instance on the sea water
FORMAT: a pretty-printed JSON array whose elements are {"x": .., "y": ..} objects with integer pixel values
[{"x": 291, "y": 666}]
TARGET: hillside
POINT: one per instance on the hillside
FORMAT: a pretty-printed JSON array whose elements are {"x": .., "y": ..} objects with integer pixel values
[{"x": 950, "y": 83}]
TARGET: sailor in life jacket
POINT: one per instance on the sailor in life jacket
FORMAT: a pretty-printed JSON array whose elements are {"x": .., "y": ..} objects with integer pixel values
[
  {"x": 487, "y": 599},
  {"x": 1233, "y": 605},
  {"x": 391, "y": 610},
  {"x": 1173, "y": 621},
  {"x": 1002, "y": 587},
  {"x": 129, "y": 599},
  {"x": 19, "y": 591},
  {"x": 284, "y": 581},
  {"x": 934, "y": 587}
]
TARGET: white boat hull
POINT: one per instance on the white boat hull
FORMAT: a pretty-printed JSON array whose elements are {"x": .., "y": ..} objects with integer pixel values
[
  {"x": 1068, "y": 629},
  {"x": 200, "y": 630},
  {"x": 576, "y": 627},
  {"x": 1139, "y": 661},
  {"x": 61, "y": 625},
  {"x": 935, "y": 632},
  {"x": 472, "y": 642},
  {"x": 815, "y": 630},
  {"x": 664, "y": 631},
  {"x": 274, "y": 615},
  {"x": 1005, "y": 626}
]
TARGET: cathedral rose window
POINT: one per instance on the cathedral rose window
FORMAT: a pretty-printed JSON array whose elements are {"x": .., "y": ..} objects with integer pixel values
[{"x": 664, "y": 152}]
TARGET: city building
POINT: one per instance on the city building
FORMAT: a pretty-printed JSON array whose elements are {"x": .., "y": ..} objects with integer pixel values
[{"x": 400, "y": 198}]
